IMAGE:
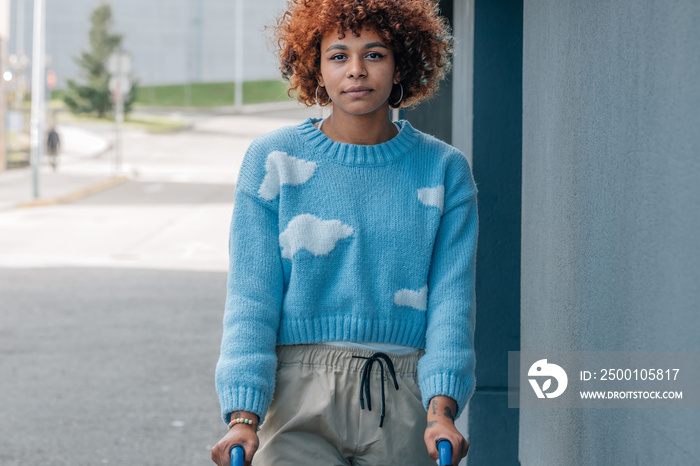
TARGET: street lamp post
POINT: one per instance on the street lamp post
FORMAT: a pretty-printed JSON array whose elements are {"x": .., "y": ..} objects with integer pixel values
[
  {"x": 38, "y": 80},
  {"x": 3, "y": 139},
  {"x": 119, "y": 67},
  {"x": 238, "y": 89},
  {"x": 4, "y": 33}
]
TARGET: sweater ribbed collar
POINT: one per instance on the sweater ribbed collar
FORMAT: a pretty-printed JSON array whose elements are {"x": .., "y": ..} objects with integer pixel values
[{"x": 357, "y": 154}]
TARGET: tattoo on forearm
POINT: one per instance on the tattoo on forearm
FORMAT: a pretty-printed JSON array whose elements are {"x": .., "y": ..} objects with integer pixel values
[
  {"x": 448, "y": 413},
  {"x": 431, "y": 424},
  {"x": 237, "y": 416},
  {"x": 434, "y": 406}
]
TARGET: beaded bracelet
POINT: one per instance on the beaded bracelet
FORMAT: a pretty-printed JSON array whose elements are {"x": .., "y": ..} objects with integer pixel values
[{"x": 240, "y": 420}]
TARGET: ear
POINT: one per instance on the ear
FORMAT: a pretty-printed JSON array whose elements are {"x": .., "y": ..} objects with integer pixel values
[
  {"x": 397, "y": 76},
  {"x": 319, "y": 79}
]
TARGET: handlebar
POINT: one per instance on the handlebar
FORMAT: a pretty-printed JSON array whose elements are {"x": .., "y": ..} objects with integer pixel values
[
  {"x": 444, "y": 449},
  {"x": 237, "y": 456}
]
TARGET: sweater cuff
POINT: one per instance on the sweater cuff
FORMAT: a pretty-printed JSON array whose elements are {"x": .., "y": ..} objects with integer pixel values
[
  {"x": 244, "y": 399},
  {"x": 450, "y": 385}
]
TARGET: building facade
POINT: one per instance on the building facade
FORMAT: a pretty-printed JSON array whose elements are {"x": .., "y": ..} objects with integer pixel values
[{"x": 171, "y": 41}]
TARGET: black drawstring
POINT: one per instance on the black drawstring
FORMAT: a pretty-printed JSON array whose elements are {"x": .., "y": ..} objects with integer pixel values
[{"x": 364, "y": 384}]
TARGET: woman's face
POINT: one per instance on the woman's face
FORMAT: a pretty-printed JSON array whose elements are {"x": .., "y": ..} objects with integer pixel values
[{"x": 358, "y": 73}]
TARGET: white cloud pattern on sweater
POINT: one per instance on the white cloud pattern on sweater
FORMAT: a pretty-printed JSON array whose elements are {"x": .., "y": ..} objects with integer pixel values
[
  {"x": 309, "y": 232},
  {"x": 412, "y": 298},
  {"x": 433, "y": 196},
  {"x": 284, "y": 169}
]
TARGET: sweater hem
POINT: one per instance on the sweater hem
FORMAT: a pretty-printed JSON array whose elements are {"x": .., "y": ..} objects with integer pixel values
[{"x": 351, "y": 328}]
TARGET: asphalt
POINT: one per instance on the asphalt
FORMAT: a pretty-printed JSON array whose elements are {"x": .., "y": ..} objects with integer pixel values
[{"x": 104, "y": 365}]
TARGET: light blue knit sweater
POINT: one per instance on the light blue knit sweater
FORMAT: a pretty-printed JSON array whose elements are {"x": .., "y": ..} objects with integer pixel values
[{"x": 333, "y": 241}]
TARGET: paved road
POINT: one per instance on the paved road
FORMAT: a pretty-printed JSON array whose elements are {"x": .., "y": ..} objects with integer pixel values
[
  {"x": 108, "y": 366},
  {"x": 111, "y": 307}
]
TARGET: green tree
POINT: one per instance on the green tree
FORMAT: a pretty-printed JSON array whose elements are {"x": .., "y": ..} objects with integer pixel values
[{"x": 95, "y": 96}]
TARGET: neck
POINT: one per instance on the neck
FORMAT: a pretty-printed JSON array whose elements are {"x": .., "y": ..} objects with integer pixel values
[{"x": 370, "y": 129}]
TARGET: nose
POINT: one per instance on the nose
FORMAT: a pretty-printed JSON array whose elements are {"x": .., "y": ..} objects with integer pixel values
[{"x": 355, "y": 69}]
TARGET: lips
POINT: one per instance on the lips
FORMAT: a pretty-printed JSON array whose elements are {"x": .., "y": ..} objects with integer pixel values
[{"x": 357, "y": 91}]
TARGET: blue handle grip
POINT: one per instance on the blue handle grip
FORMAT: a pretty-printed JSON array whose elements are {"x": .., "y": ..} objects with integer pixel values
[
  {"x": 237, "y": 456},
  {"x": 445, "y": 451}
]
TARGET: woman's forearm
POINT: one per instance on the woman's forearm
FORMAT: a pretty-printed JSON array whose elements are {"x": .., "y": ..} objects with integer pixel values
[{"x": 442, "y": 408}]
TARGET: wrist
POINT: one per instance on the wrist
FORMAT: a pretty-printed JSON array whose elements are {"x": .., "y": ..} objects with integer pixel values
[
  {"x": 244, "y": 418},
  {"x": 442, "y": 409},
  {"x": 241, "y": 425},
  {"x": 438, "y": 421}
]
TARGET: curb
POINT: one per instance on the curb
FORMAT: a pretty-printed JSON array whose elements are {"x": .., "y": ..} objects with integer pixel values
[{"x": 76, "y": 194}]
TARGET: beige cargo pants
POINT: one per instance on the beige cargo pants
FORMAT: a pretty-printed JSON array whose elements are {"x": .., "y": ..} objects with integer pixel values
[{"x": 315, "y": 416}]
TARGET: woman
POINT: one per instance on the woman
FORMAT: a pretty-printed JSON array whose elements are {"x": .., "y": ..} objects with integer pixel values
[{"x": 353, "y": 245}]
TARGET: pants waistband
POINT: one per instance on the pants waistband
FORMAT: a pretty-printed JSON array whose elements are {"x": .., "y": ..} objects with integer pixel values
[{"x": 342, "y": 357}]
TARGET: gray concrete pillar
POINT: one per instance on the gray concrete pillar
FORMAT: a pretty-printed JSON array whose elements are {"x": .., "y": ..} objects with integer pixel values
[
  {"x": 611, "y": 211},
  {"x": 497, "y": 160}
]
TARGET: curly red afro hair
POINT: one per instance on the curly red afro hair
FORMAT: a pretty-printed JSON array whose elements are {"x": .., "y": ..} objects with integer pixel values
[{"x": 419, "y": 37}]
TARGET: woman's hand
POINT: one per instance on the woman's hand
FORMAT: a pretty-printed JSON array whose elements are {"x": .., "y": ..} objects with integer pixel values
[
  {"x": 244, "y": 435},
  {"x": 441, "y": 426}
]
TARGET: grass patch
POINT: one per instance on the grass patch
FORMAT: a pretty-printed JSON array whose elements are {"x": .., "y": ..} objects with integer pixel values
[
  {"x": 203, "y": 94},
  {"x": 17, "y": 159},
  {"x": 211, "y": 94}
]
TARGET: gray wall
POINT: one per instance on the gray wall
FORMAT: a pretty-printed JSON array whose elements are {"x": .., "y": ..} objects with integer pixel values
[
  {"x": 611, "y": 211},
  {"x": 171, "y": 41}
]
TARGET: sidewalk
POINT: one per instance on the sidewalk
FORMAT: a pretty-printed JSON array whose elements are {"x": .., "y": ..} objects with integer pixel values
[
  {"x": 85, "y": 165},
  {"x": 87, "y": 161}
]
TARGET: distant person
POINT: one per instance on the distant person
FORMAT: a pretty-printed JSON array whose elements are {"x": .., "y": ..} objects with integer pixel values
[
  {"x": 352, "y": 254},
  {"x": 53, "y": 144}
]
